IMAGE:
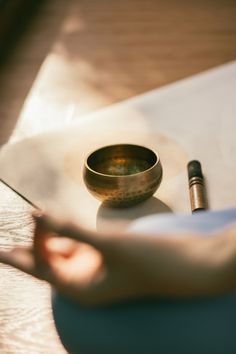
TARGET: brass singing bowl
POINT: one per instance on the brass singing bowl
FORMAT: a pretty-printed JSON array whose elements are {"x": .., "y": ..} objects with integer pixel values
[{"x": 122, "y": 175}]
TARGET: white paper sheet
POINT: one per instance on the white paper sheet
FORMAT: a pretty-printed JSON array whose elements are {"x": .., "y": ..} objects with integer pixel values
[{"x": 191, "y": 119}]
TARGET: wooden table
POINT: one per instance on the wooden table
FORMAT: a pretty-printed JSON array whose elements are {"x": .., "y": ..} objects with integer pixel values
[{"x": 103, "y": 52}]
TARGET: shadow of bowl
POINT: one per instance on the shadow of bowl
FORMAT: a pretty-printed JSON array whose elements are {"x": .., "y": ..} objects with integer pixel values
[{"x": 119, "y": 219}]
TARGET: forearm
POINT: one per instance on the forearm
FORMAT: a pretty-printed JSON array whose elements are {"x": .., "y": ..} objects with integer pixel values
[{"x": 187, "y": 266}]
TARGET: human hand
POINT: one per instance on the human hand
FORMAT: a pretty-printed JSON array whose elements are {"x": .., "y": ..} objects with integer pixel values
[
  {"x": 86, "y": 266},
  {"x": 95, "y": 268}
]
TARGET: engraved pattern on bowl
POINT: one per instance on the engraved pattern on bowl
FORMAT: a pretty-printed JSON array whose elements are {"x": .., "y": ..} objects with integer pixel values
[{"x": 122, "y": 175}]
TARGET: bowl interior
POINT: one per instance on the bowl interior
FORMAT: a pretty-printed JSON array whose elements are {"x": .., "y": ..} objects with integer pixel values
[{"x": 121, "y": 160}]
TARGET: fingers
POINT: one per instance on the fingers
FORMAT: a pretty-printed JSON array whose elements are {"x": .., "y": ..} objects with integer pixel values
[
  {"x": 19, "y": 258},
  {"x": 64, "y": 247},
  {"x": 46, "y": 224},
  {"x": 23, "y": 260},
  {"x": 40, "y": 249}
]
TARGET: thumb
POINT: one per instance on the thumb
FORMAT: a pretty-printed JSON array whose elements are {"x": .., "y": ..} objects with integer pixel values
[{"x": 40, "y": 249}]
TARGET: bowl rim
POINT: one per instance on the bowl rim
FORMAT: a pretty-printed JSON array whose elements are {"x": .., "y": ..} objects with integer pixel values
[{"x": 158, "y": 161}]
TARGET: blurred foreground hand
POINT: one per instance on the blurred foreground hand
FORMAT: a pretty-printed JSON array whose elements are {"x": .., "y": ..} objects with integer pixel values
[{"x": 95, "y": 268}]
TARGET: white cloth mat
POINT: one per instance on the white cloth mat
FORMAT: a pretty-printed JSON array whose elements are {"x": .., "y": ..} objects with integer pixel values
[{"x": 194, "y": 118}]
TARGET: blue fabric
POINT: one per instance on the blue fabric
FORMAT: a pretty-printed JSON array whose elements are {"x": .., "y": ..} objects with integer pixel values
[
  {"x": 202, "y": 222},
  {"x": 203, "y": 326}
]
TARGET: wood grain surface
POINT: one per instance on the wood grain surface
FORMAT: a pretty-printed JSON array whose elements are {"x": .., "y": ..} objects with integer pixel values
[{"x": 94, "y": 53}]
